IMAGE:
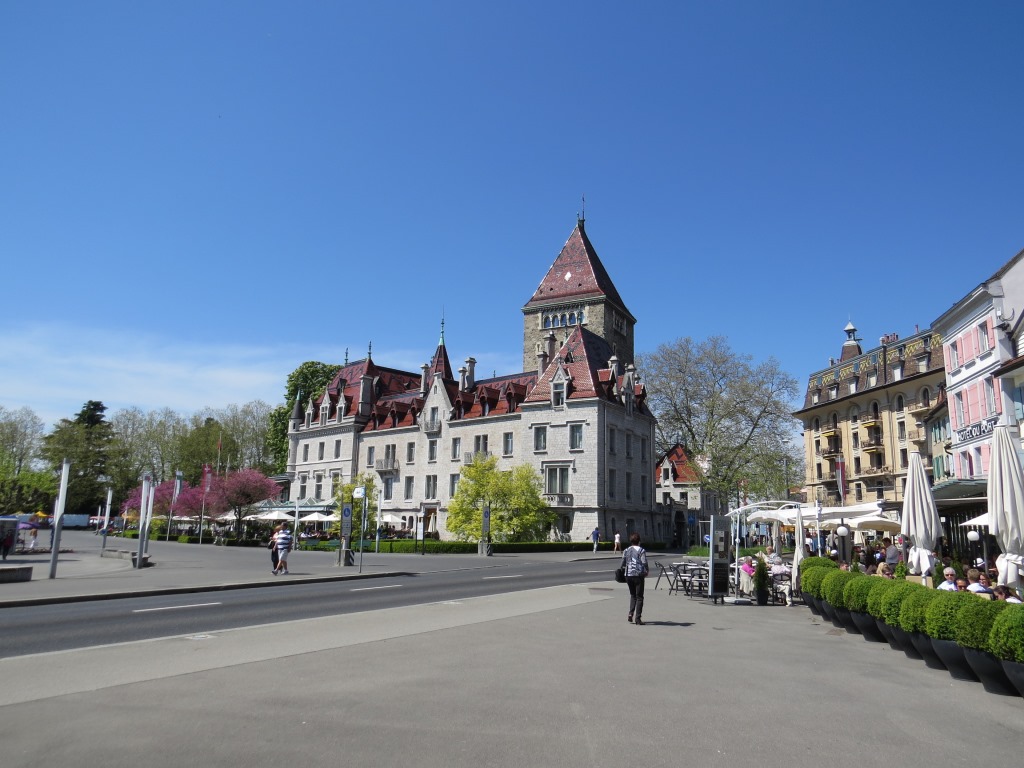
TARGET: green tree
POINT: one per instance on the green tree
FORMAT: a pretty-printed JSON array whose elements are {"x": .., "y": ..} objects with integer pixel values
[
  {"x": 343, "y": 495},
  {"x": 518, "y": 511},
  {"x": 24, "y": 488},
  {"x": 311, "y": 379},
  {"x": 726, "y": 409},
  {"x": 86, "y": 442}
]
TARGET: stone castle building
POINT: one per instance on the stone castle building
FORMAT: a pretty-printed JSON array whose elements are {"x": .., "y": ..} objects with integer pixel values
[{"x": 577, "y": 413}]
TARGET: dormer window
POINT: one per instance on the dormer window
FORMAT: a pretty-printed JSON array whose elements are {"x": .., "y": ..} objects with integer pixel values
[
  {"x": 558, "y": 393},
  {"x": 323, "y": 415}
]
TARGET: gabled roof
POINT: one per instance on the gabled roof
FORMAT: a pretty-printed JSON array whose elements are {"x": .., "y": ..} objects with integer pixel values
[
  {"x": 577, "y": 273},
  {"x": 683, "y": 470},
  {"x": 440, "y": 362},
  {"x": 584, "y": 357}
]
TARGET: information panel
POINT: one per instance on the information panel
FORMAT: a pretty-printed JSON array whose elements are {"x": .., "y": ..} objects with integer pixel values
[{"x": 718, "y": 557}]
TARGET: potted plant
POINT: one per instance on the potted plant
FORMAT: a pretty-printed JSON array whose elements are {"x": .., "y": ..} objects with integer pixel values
[
  {"x": 817, "y": 562},
  {"x": 810, "y": 581},
  {"x": 879, "y": 589},
  {"x": 912, "y": 612},
  {"x": 974, "y": 623},
  {"x": 1006, "y": 641},
  {"x": 832, "y": 591},
  {"x": 855, "y": 595},
  {"x": 761, "y": 581},
  {"x": 940, "y": 626},
  {"x": 892, "y": 602}
]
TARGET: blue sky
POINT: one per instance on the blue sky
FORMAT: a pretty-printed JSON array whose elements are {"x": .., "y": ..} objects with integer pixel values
[{"x": 198, "y": 197}]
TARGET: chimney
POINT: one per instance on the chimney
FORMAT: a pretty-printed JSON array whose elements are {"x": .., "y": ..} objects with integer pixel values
[
  {"x": 470, "y": 372},
  {"x": 614, "y": 365},
  {"x": 542, "y": 363},
  {"x": 551, "y": 345},
  {"x": 462, "y": 379},
  {"x": 365, "y": 394},
  {"x": 423, "y": 379}
]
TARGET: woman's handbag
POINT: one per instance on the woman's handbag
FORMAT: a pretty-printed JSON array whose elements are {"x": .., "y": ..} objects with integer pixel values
[{"x": 620, "y": 575}]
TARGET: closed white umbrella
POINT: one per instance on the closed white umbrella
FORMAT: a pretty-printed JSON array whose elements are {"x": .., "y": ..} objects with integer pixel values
[
  {"x": 920, "y": 522},
  {"x": 1006, "y": 505},
  {"x": 798, "y": 553}
]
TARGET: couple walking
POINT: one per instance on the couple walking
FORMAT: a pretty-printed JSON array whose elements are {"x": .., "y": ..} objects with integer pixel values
[{"x": 280, "y": 545}]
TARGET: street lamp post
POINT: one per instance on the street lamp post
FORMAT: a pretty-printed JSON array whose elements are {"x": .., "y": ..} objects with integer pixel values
[
  {"x": 842, "y": 532},
  {"x": 973, "y": 536}
]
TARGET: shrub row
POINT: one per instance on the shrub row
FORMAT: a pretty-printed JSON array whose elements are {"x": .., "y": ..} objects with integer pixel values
[{"x": 986, "y": 625}]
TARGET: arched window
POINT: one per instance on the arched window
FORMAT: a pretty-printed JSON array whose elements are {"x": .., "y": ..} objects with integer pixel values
[
  {"x": 572, "y": 318},
  {"x": 855, "y": 414},
  {"x": 565, "y": 320},
  {"x": 926, "y": 398},
  {"x": 547, "y": 321},
  {"x": 835, "y": 421},
  {"x": 581, "y": 318},
  {"x": 817, "y": 425},
  {"x": 900, "y": 404}
]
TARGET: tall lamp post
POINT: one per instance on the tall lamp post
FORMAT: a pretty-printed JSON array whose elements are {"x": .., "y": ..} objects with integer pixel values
[
  {"x": 842, "y": 532},
  {"x": 973, "y": 536}
]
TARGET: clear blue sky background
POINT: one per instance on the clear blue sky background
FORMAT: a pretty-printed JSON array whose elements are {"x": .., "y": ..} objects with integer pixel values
[{"x": 197, "y": 197}]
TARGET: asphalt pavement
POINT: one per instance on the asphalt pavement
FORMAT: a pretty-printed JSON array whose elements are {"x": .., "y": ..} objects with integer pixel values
[{"x": 546, "y": 677}]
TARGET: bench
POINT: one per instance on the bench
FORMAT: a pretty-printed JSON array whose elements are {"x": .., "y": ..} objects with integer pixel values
[{"x": 12, "y": 573}]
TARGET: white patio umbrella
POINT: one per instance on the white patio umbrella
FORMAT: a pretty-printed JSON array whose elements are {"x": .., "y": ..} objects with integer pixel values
[
  {"x": 798, "y": 552},
  {"x": 875, "y": 523},
  {"x": 920, "y": 521},
  {"x": 1006, "y": 505},
  {"x": 275, "y": 515},
  {"x": 316, "y": 517}
]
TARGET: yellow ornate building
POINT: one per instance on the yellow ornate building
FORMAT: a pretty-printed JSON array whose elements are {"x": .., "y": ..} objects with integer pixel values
[{"x": 864, "y": 415}]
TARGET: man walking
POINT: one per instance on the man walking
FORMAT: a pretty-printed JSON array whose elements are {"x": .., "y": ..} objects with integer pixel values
[
  {"x": 284, "y": 546},
  {"x": 595, "y": 536}
]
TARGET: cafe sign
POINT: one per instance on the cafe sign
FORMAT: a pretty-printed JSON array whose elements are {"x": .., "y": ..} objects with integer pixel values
[{"x": 983, "y": 427}]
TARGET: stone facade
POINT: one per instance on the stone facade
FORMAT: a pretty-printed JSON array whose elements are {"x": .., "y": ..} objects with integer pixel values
[{"x": 577, "y": 414}]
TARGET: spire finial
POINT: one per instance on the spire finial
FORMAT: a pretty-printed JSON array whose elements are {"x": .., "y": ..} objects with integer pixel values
[
  {"x": 369, "y": 350},
  {"x": 441, "y": 342},
  {"x": 346, "y": 355},
  {"x": 581, "y": 217}
]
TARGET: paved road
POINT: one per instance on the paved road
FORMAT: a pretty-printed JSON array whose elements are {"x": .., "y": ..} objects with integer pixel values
[{"x": 538, "y": 677}]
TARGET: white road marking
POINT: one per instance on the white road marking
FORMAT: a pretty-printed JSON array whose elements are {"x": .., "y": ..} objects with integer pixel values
[
  {"x": 367, "y": 589},
  {"x": 174, "y": 607},
  {"x": 513, "y": 576}
]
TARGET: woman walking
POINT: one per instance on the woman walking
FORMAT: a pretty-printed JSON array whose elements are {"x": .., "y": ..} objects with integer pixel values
[{"x": 634, "y": 560}]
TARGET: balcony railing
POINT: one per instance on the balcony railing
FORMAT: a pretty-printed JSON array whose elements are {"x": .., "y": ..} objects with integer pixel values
[
  {"x": 386, "y": 465},
  {"x": 830, "y": 452},
  {"x": 829, "y": 429},
  {"x": 917, "y": 435},
  {"x": 558, "y": 499},
  {"x": 468, "y": 457},
  {"x": 872, "y": 445},
  {"x": 883, "y": 470},
  {"x": 431, "y": 426},
  {"x": 870, "y": 420}
]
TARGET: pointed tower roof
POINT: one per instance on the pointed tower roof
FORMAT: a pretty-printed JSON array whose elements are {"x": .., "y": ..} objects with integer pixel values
[
  {"x": 577, "y": 273},
  {"x": 851, "y": 347},
  {"x": 440, "y": 362}
]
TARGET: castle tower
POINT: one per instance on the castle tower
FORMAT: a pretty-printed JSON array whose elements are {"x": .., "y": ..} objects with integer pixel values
[{"x": 577, "y": 291}]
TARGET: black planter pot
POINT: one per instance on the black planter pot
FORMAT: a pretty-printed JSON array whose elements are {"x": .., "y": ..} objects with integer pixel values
[
  {"x": 818, "y": 605},
  {"x": 1015, "y": 672},
  {"x": 809, "y": 602},
  {"x": 904, "y": 642},
  {"x": 924, "y": 646},
  {"x": 952, "y": 655},
  {"x": 826, "y": 609},
  {"x": 866, "y": 624},
  {"x": 990, "y": 671},
  {"x": 845, "y": 620},
  {"x": 886, "y": 631},
  {"x": 761, "y": 595}
]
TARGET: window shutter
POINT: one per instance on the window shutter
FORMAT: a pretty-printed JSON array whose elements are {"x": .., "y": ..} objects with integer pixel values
[
  {"x": 997, "y": 394},
  {"x": 945, "y": 355},
  {"x": 971, "y": 406},
  {"x": 985, "y": 451},
  {"x": 991, "y": 334}
]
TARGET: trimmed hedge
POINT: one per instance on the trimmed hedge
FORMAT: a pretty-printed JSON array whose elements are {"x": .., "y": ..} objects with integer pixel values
[
  {"x": 914, "y": 607},
  {"x": 877, "y": 594},
  {"x": 974, "y": 622},
  {"x": 1006, "y": 640},
  {"x": 892, "y": 600},
  {"x": 855, "y": 594},
  {"x": 810, "y": 581},
  {"x": 817, "y": 562},
  {"x": 834, "y": 584},
  {"x": 940, "y": 620}
]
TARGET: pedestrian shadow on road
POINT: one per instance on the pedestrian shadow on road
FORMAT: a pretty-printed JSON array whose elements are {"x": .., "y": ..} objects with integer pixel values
[{"x": 668, "y": 623}]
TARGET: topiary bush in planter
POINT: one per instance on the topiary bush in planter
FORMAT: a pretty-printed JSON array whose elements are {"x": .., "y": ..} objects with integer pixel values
[
  {"x": 810, "y": 580},
  {"x": 855, "y": 594},
  {"x": 974, "y": 622},
  {"x": 817, "y": 562},
  {"x": 1006, "y": 639},
  {"x": 940, "y": 618},
  {"x": 913, "y": 607},
  {"x": 892, "y": 600},
  {"x": 834, "y": 584},
  {"x": 879, "y": 589}
]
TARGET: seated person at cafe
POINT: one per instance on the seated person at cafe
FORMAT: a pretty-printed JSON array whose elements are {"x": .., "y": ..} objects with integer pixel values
[
  {"x": 767, "y": 554},
  {"x": 747, "y": 575},
  {"x": 1003, "y": 592},
  {"x": 884, "y": 570},
  {"x": 961, "y": 584},
  {"x": 784, "y": 585},
  {"x": 949, "y": 585},
  {"x": 973, "y": 582}
]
